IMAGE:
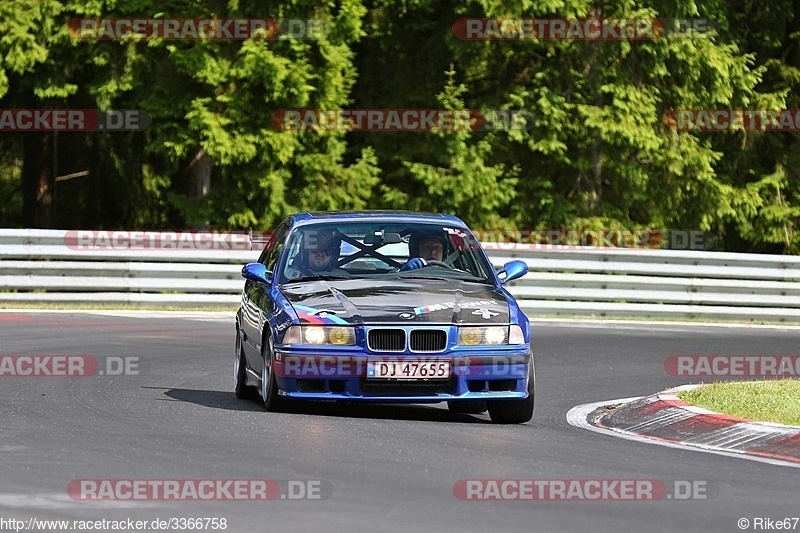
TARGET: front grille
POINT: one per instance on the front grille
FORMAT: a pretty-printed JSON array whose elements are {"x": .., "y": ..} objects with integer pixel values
[
  {"x": 420, "y": 388},
  {"x": 386, "y": 340},
  {"x": 428, "y": 340}
]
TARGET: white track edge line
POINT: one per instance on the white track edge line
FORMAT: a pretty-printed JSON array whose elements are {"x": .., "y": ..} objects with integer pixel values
[{"x": 552, "y": 321}]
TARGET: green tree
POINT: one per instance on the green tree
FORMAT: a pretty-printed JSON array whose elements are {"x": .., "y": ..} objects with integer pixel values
[
  {"x": 214, "y": 156},
  {"x": 457, "y": 178},
  {"x": 29, "y": 29},
  {"x": 599, "y": 147}
]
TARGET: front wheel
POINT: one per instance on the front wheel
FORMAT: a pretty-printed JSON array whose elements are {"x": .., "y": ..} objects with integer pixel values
[
  {"x": 515, "y": 411},
  {"x": 269, "y": 385}
]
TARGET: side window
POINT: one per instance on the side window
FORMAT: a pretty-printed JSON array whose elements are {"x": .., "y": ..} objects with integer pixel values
[{"x": 273, "y": 250}]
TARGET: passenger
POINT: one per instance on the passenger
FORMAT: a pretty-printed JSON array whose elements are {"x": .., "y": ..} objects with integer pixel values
[{"x": 318, "y": 256}]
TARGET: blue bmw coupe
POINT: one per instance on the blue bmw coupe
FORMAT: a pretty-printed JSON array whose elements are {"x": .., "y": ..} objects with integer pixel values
[{"x": 383, "y": 307}]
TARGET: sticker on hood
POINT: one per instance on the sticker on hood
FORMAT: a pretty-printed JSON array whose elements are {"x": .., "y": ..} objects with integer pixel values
[
  {"x": 450, "y": 305},
  {"x": 485, "y": 313},
  {"x": 310, "y": 315}
]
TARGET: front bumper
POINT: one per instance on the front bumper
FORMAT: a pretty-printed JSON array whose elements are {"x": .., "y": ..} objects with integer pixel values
[{"x": 475, "y": 375}]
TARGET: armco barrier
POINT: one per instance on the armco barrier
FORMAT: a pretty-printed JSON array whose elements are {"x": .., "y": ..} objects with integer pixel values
[{"x": 37, "y": 266}]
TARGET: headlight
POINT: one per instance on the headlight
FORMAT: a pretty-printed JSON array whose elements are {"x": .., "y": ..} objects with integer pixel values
[
  {"x": 314, "y": 334},
  {"x": 482, "y": 335},
  {"x": 320, "y": 335},
  {"x": 341, "y": 336},
  {"x": 495, "y": 335},
  {"x": 469, "y": 336}
]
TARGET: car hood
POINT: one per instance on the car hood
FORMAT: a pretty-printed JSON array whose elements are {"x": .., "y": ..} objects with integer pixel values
[{"x": 398, "y": 301}]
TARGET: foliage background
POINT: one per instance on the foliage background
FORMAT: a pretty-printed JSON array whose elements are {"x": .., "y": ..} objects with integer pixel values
[{"x": 598, "y": 156}]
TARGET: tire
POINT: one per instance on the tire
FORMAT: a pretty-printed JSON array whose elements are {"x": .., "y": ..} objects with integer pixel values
[
  {"x": 515, "y": 411},
  {"x": 467, "y": 407},
  {"x": 240, "y": 387},
  {"x": 269, "y": 385}
]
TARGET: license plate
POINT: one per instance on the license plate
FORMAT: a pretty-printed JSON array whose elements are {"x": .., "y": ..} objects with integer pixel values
[{"x": 408, "y": 370}]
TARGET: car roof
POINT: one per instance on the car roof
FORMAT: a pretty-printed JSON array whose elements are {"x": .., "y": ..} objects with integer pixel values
[{"x": 375, "y": 215}]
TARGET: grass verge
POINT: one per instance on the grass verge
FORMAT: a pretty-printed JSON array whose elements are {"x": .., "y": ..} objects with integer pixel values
[{"x": 766, "y": 401}]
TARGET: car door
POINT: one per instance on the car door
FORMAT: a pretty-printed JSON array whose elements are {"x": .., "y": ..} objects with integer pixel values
[{"x": 257, "y": 304}]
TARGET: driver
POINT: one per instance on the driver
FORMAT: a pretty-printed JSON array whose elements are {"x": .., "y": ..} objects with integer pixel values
[
  {"x": 424, "y": 246},
  {"x": 319, "y": 255}
]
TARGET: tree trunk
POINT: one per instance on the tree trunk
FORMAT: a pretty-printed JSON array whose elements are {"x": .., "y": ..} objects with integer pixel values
[
  {"x": 596, "y": 178},
  {"x": 200, "y": 175},
  {"x": 38, "y": 181},
  {"x": 793, "y": 26}
]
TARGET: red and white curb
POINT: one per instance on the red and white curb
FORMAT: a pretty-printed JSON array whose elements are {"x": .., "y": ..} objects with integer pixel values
[{"x": 667, "y": 420}]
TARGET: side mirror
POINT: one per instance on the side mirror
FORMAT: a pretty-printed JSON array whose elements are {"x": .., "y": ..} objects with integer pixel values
[
  {"x": 512, "y": 270},
  {"x": 257, "y": 272}
]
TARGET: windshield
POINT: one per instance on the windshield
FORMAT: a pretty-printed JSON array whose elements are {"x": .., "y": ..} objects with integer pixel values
[{"x": 364, "y": 250}]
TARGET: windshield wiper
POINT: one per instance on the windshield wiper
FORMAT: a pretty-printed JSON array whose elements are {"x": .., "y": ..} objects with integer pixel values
[
  {"x": 320, "y": 277},
  {"x": 460, "y": 276},
  {"x": 440, "y": 278}
]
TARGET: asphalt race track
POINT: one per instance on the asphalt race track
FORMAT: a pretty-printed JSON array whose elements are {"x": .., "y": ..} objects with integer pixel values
[{"x": 387, "y": 468}]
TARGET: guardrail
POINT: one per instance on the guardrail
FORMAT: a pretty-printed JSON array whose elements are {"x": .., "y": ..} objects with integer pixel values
[{"x": 39, "y": 266}]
